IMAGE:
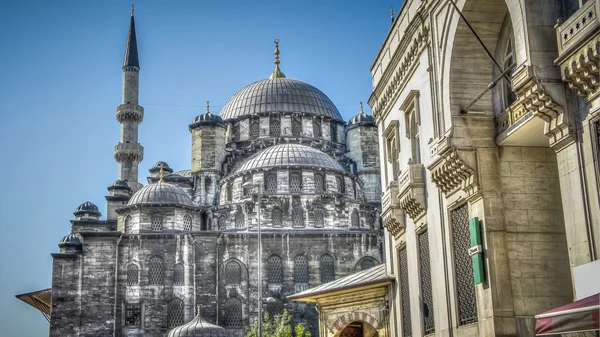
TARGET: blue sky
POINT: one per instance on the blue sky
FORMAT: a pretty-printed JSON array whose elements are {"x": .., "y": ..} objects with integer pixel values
[{"x": 60, "y": 82}]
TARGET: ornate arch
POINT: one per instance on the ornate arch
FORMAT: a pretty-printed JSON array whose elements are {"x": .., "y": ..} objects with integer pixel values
[{"x": 353, "y": 316}]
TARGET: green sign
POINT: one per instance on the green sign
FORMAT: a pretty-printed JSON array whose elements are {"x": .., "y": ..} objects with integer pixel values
[{"x": 476, "y": 250}]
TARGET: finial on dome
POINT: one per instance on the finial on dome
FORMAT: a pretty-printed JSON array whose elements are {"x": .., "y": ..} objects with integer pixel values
[
  {"x": 207, "y": 106},
  {"x": 361, "y": 109},
  {"x": 162, "y": 174},
  {"x": 132, "y": 9},
  {"x": 198, "y": 307},
  {"x": 277, "y": 73},
  {"x": 392, "y": 13}
]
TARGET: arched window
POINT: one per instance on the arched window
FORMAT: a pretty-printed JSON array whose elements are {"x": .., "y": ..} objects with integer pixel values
[
  {"x": 276, "y": 215},
  {"x": 317, "y": 128},
  {"x": 339, "y": 184},
  {"x": 204, "y": 222},
  {"x": 509, "y": 95},
  {"x": 370, "y": 221},
  {"x": 233, "y": 273},
  {"x": 187, "y": 223},
  {"x": 157, "y": 222},
  {"x": 271, "y": 183},
  {"x": 275, "y": 270},
  {"x": 222, "y": 222},
  {"x": 355, "y": 219},
  {"x": 254, "y": 128},
  {"x": 319, "y": 183},
  {"x": 230, "y": 191},
  {"x": 133, "y": 275},
  {"x": 178, "y": 275},
  {"x": 236, "y": 132},
  {"x": 275, "y": 126},
  {"x": 319, "y": 218},
  {"x": 175, "y": 313},
  {"x": 233, "y": 313},
  {"x": 128, "y": 224},
  {"x": 275, "y": 307},
  {"x": 240, "y": 221},
  {"x": 365, "y": 263},
  {"x": 327, "y": 268},
  {"x": 298, "y": 216},
  {"x": 296, "y": 126},
  {"x": 301, "y": 273},
  {"x": 295, "y": 183},
  {"x": 155, "y": 270},
  {"x": 333, "y": 132}
]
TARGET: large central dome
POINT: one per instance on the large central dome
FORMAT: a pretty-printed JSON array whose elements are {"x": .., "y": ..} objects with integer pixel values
[{"x": 283, "y": 95}]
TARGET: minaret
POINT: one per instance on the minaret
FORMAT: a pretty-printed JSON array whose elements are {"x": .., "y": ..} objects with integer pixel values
[{"x": 128, "y": 152}]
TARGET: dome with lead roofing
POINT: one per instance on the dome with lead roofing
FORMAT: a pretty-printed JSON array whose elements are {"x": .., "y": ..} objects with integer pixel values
[
  {"x": 198, "y": 327},
  {"x": 160, "y": 193},
  {"x": 87, "y": 208},
  {"x": 361, "y": 118}
]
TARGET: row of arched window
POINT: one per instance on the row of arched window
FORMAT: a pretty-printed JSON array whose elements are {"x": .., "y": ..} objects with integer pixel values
[
  {"x": 156, "y": 223},
  {"x": 156, "y": 273},
  {"x": 275, "y": 128},
  {"x": 175, "y": 313}
]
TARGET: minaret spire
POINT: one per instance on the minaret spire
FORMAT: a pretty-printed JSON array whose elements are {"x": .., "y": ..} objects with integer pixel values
[
  {"x": 277, "y": 73},
  {"x": 128, "y": 152}
]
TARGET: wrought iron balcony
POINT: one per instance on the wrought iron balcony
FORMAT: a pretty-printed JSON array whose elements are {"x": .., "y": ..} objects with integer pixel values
[{"x": 411, "y": 188}]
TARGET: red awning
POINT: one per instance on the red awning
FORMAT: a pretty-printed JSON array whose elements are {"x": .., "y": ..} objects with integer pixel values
[{"x": 579, "y": 316}]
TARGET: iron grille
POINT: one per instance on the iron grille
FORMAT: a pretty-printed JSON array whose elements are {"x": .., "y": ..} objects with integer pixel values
[
  {"x": 467, "y": 304},
  {"x": 239, "y": 220},
  {"x": 275, "y": 127},
  {"x": 333, "y": 132},
  {"x": 155, "y": 270},
  {"x": 298, "y": 216},
  {"x": 327, "y": 268},
  {"x": 317, "y": 129},
  {"x": 355, "y": 220},
  {"x": 222, "y": 222},
  {"x": 276, "y": 215},
  {"x": 187, "y": 223},
  {"x": 233, "y": 273},
  {"x": 230, "y": 191},
  {"x": 404, "y": 291},
  {"x": 275, "y": 270},
  {"x": 339, "y": 184},
  {"x": 236, "y": 132},
  {"x": 319, "y": 221},
  {"x": 128, "y": 227},
  {"x": 175, "y": 313},
  {"x": 178, "y": 275},
  {"x": 271, "y": 183},
  {"x": 366, "y": 264},
  {"x": 301, "y": 269},
  {"x": 426, "y": 293},
  {"x": 598, "y": 139},
  {"x": 295, "y": 183},
  {"x": 319, "y": 183},
  {"x": 296, "y": 127},
  {"x": 275, "y": 308},
  {"x": 233, "y": 313},
  {"x": 254, "y": 129},
  {"x": 133, "y": 314},
  {"x": 157, "y": 222},
  {"x": 133, "y": 275}
]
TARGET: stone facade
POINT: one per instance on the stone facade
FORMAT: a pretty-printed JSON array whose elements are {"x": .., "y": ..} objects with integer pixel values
[{"x": 190, "y": 237}]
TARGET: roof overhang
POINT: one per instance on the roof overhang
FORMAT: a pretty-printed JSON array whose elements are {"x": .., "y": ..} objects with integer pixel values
[
  {"x": 40, "y": 300},
  {"x": 579, "y": 316}
]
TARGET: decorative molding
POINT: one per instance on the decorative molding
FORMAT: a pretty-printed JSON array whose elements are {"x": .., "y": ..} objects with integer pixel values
[
  {"x": 581, "y": 71},
  {"x": 454, "y": 168},
  {"x": 412, "y": 191},
  {"x": 391, "y": 213},
  {"x": 410, "y": 106}
]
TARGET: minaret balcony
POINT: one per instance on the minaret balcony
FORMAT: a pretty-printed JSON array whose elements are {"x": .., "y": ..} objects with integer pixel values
[
  {"x": 391, "y": 213},
  {"x": 411, "y": 190},
  {"x": 130, "y": 112},
  {"x": 129, "y": 152}
]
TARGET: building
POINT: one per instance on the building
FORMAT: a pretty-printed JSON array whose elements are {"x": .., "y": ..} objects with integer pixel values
[
  {"x": 488, "y": 119},
  {"x": 189, "y": 237}
]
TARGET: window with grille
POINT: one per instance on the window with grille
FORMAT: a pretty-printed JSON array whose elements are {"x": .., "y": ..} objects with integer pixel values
[
  {"x": 319, "y": 183},
  {"x": 366, "y": 264},
  {"x": 128, "y": 224},
  {"x": 233, "y": 313},
  {"x": 240, "y": 221},
  {"x": 275, "y": 127},
  {"x": 236, "y": 132},
  {"x": 354, "y": 219},
  {"x": 157, "y": 222},
  {"x": 222, "y": 222},
  {"x": 271, "y": 183},
  {"x": 276, "y": 215},
  {"x": 463, "y": 266},
  {"x": 275, "y": 307},
  {"x": 133, "y": 275},
  {"x": 333, "y": 132},
  {"x": 230, "y": 191},
  {"x": 275, "y": 270},
  {"x": 301, "y": 273},
  {"x": 327, "y": 268},
  {"x": 133, "y": 314},
  {"x": 178, "y": 275},
  {"x": 295, "y": 183},
  {"x": 317, "y": 128},
  {"x": 296, "y": 126},
  {"x": 155, "y": 270},
  {"x": 370, "y": 221},
  {"x": 187, "y": 223},
  {"x": 405, "y": 293},
  {"x": 509, "y": 63},
  {"x": 175, "y": 313},
  {"x": 319, "y": 215},
  {"x": 339, "y": 182},
  {"x": 233, "y": 273},
  {"x": 254, "y": 128},
  {"x": 426, "y": 293},
  {"x": 298, "y": 216}
]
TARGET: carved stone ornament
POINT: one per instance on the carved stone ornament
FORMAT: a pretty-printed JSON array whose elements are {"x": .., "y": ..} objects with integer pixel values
[
  {"x": 392, "y": 214},
  {"x": 454, "y": 168},
  {"x": 411, "y": 185}
]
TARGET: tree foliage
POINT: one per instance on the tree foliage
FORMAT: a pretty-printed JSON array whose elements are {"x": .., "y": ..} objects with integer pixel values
[{"x": 278, "y": 326}]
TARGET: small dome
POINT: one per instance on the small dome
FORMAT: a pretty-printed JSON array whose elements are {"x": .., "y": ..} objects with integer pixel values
[
  {"x": 361, "y": 118},
  {"x": 161, "y": 165},
  {"x": 206, "y": 118},
  {"x": 160, "y": 193},
  {"x": 87, "y": 207},
  {"x": 120, "y": 184},
  {"x": 290, "y": 155},
  {"x": 198, "y": 327},
  {"x": 71, "y": 239}
]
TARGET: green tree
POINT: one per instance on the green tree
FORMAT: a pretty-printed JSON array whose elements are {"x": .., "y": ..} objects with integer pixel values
[{"x": 277, "y": 326}]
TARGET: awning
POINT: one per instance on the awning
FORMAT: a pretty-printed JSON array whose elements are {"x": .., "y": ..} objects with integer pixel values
[
  {"x": 579, "y": 316},
  {"x": 41, "y": 300}
]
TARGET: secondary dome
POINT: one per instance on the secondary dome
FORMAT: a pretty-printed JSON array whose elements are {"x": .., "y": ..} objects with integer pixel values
[
  {"x": 279, "y": 95},
  {"x": 198, "y": 327},
  {"x": 290, "y": 155},
  {"x": 160, "y": 193}
]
